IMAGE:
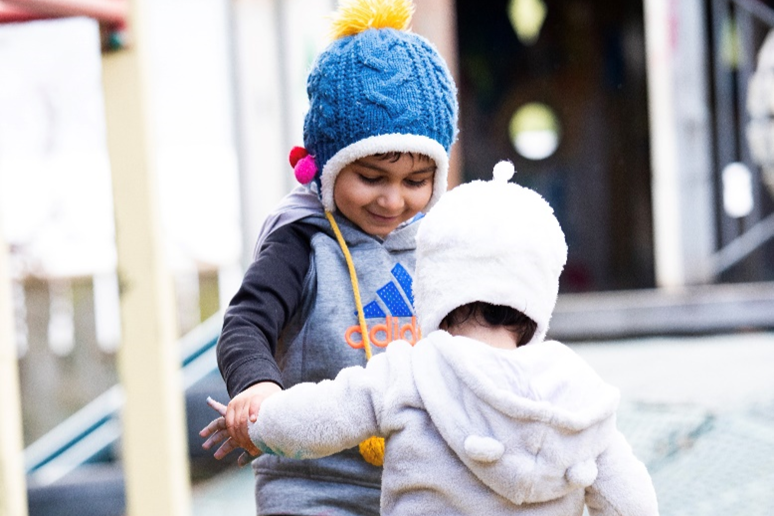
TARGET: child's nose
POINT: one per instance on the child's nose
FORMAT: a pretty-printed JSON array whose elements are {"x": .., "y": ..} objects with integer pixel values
[{"x": 391, "y": 198}]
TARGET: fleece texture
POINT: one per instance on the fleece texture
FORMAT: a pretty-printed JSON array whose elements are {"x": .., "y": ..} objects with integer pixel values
[
  {"x": 471, "y": 429},
  {"x": 493, "y": 241}
]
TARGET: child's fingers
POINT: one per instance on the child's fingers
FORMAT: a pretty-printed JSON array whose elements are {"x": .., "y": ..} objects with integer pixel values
[
  {"x": 252, "y": 449},
  {"x": 215, "y": 439},
  {"x": 215, "y": 425},
  {"x": 220, "y": 408},
  {"x": 225, "y": 448},
  {"x": 255, "y": 407}
]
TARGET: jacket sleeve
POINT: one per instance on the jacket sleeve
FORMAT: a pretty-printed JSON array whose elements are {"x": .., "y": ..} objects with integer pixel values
[
  {"x": 312, "y": 420},
  {"x": 623, "y": 486},
  {"x": 270, "y": 294}
]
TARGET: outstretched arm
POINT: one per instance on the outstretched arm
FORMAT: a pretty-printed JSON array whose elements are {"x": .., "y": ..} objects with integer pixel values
[
  {"x": 315, "y": 420},
  {"x": 623, "y": 486}
]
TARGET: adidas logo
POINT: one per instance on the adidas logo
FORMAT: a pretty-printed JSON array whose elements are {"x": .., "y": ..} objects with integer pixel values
[{"x": 398, "y": 297}]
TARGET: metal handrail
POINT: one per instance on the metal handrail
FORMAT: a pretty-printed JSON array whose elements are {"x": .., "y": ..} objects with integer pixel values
[
  {"x": 95, "y": 427},
  {"x": 738, "y": 238},
  {"x": 757, "y": 9}
]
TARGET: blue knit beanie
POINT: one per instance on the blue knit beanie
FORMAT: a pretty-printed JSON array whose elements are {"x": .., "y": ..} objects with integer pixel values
[{"x": 376, "y": 89}]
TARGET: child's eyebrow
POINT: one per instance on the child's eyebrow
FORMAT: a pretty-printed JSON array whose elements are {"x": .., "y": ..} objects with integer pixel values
[
  {"x": 429, "y": 168},
  {"x": 377, "y": 168}
]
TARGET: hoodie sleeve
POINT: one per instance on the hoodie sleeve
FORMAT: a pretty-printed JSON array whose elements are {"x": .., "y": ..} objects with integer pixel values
[
  {"x": 315, "y": 420},
  {"x": 270, "y": 294},
  {"x": 623, "y": 486}
]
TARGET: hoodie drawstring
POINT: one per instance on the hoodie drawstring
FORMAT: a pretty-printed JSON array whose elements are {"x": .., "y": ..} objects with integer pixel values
[{"x": 372, "y": 449}]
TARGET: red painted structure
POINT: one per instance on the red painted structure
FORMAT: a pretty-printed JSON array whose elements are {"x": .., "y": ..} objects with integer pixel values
[
  {"x": 111, "y": 15},
  {"x": 108, "y": 12}
]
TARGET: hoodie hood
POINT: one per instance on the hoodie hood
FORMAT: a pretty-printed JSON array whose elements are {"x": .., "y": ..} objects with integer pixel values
[
  {"x": 529, "y": 422},
  {"x": 492, "y": 241}
]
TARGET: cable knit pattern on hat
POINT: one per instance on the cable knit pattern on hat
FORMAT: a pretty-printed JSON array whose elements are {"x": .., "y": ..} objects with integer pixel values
[{"x": 380, "y": 90}]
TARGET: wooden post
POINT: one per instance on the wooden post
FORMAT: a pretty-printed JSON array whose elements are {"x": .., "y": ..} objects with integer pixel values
[
  {"x": 681, "y": 158},
  {"x": 154, "y": 436},
  {"x": 264, "y": 175},
  {"x": 13, "y": 490}
]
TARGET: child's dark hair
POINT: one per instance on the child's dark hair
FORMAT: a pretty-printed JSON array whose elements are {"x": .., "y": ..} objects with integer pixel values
[
  {"x": 394, "y": 156},
  {"x": 493, "y": 315}
]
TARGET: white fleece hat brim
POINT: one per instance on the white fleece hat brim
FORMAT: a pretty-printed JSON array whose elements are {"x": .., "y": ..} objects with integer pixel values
[{"x": 381, "y": 144}]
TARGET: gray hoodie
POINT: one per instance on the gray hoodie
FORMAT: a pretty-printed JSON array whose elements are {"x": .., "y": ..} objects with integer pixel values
[
  {"x": 471, "y": 429},
  {"x": 322, "y": 338}
]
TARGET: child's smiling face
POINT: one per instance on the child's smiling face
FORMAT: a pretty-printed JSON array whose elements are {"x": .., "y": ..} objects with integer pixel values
[{"x": 379, "y": 193}]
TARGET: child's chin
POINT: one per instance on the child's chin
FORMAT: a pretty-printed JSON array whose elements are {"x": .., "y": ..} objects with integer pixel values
[
  {"x": 381, "y": 230},
  {"x": 384, "y": 227}
]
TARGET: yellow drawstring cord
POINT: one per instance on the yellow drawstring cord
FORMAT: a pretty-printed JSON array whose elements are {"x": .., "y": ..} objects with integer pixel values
[
  {"x": 355, "y": 287},
  {"x": 372, "y": 449}
]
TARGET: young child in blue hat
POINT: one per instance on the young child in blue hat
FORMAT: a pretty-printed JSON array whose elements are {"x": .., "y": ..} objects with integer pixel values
[
  {"x": 331, "y": 283},
  {"x": 482, "y": 415}
]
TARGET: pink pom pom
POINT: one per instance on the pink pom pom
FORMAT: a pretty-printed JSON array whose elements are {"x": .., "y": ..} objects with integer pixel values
[{"x": 305, "y": 169}]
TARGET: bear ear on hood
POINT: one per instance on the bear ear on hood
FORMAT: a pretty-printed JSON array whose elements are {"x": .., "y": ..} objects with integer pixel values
[{"x": 483, "y": 449}]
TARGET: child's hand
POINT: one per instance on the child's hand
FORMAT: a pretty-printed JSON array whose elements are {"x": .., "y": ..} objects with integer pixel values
[
  {"x": 216, "y": 432},
  {"x": 243, "y": 407}
]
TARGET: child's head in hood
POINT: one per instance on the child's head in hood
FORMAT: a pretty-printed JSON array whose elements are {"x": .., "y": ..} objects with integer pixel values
[{"x": 492, "y": 242}]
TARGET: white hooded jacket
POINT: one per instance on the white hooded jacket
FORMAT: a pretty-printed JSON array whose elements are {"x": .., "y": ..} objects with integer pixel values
[{"x": 471, "y": 429}]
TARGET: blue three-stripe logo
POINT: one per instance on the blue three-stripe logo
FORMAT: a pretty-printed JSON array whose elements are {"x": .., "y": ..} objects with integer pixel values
[
  {"x": 392, "y": 298},
  {"x": 398, "y": 298}
]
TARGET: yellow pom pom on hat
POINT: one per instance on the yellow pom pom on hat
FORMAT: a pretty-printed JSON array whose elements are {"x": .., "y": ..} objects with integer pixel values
[{"x": 355, "y": 16}]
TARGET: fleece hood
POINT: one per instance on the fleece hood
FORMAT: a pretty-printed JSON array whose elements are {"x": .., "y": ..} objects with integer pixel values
[
  {"x": 529, "y": 422},
  {"x": 492, "y": 241}
]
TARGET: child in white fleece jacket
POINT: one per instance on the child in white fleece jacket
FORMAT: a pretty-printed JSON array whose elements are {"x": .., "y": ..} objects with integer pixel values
[{"x": 482, "y": 416}]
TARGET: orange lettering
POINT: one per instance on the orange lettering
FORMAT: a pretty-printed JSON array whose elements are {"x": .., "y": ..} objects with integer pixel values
[
  {"x": 348, "y": 337},
  {"x": 389, "y": 330},
  {"x": 385, "y": 328},
  {"x": 412, "y": 330}
]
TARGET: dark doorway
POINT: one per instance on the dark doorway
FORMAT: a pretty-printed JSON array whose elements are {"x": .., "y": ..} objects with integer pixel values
[{"x": 587, "y": 66}]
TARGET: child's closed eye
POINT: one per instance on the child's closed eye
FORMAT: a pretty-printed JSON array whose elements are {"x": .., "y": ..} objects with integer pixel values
[
  {"x": 370, "y": 180},
  {"x": 416, "y": 183}
]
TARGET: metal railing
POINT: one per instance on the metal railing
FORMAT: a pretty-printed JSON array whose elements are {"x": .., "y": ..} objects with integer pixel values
[
  {"x": 738, "y": 28},
  {"x": 89, "y": 434}
]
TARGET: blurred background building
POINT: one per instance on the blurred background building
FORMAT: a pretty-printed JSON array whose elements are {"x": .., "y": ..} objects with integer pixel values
[{"x": 647, "y": 125}]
